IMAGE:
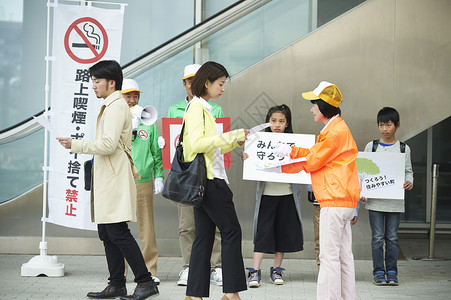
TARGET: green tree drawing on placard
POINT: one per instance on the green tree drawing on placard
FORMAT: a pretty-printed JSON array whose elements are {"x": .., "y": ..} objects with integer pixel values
[{"x": 366, "y": 167}]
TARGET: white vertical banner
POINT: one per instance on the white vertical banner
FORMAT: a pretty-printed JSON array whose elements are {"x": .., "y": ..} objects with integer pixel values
[{"x": 82, "y": 36}]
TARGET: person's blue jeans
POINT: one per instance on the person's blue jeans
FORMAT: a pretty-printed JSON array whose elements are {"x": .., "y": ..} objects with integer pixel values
[{"x": 384, "y": 228}]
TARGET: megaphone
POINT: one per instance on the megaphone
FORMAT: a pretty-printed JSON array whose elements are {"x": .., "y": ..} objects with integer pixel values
[{"x": 147, "y": 114}]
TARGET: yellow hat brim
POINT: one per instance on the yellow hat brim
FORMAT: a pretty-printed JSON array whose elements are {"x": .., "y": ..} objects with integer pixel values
[
  {"x": 130, "y": 90},
  {"x": 309, "y": 96},
  {"x": 188, "y": 76}
]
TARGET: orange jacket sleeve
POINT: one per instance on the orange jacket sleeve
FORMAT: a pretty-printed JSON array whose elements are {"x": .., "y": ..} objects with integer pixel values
[
  {"x": 294, "y": 167},
  {"x": 316, "y": 157},
  {"x": 320, "y": 155},
  {"x": 296, "y": 152}
]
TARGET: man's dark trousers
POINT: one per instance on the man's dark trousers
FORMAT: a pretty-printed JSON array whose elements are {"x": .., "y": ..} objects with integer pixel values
[{"x": 119, "y": 244}]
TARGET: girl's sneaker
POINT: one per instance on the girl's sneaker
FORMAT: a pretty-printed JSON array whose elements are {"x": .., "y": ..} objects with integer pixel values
[
  {"x": 392, "y": 279},
  {"x": 275, "y": 275},
  {"x": 255, "y": 276},
  {"x": 379, "y": 278}
]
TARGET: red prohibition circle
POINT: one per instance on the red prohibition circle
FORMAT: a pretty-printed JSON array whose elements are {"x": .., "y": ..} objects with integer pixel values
[
  {"x": 176, "y": 140},
  {"x": 143, "y": 134},
  {"x": 97, "y": 56}
]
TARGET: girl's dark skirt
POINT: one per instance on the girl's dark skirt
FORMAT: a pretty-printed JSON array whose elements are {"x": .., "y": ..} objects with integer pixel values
[{"x": 278, "y": 226}]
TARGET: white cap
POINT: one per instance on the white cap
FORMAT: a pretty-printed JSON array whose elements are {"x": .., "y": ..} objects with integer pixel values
[
  {"x": 129, "y": 85},
  {"x": 190, "y": 71}
]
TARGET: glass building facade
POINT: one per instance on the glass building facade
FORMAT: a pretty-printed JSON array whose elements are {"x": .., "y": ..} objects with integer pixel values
[{"x": 147, "y": 24}]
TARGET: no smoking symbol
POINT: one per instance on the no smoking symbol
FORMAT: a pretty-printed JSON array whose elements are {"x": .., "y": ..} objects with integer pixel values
[
  {"x": 143, "y": 134},
  {"x": 82, "y": 45}
]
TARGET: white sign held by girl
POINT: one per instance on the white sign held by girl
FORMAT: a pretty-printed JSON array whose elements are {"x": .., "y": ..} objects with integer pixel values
[{"x": 264, "y": 165}]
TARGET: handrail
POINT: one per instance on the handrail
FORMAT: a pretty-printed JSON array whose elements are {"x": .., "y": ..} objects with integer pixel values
[
  {"x": 192, "y": 36},
  {"x": 21, "y": 129},
  {"x": 154, "y": 56},
  {"x": 180, "y": 34}
]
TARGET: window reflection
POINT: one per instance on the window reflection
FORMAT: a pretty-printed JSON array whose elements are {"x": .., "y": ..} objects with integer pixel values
[
  {"x": 416, "y": 200},
  {"x": 21, "y": 164}
]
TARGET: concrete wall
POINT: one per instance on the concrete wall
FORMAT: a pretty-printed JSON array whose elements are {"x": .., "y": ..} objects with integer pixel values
[{"x": 383, "y": 53}]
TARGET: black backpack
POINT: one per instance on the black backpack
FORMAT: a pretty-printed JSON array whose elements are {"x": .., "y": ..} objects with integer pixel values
[{"x": 402, "y": 146}]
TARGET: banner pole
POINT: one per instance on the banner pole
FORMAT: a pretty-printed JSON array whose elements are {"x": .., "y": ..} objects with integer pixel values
[{"x": 43, "y": 264}]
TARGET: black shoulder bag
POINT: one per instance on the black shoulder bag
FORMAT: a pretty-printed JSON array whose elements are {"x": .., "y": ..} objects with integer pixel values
[
  {"x": 88, "y": 174},
  {"x": 186, "y": 181}
]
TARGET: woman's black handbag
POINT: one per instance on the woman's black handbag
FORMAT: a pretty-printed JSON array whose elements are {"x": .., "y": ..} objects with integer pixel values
[{"x": 186, "y": 181}]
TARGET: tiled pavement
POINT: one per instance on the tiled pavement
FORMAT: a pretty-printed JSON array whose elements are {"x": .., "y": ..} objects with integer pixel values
[{"x": 419, "y": 279}]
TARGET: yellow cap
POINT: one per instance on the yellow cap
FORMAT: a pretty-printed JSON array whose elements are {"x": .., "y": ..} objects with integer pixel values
[
  {"x": 326, "y": 91},
  {"x": 129, "y": 85}
]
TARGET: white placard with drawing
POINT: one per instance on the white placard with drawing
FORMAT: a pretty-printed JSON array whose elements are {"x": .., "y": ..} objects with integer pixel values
[{"x": 381, "y": 174}]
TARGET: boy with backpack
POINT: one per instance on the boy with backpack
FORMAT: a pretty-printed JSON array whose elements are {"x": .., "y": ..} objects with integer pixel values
[{"x": 385, "y": 214}]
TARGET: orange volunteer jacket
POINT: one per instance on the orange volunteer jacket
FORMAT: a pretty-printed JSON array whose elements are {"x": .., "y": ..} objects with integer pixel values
[{"x": 331, "y": 163}]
